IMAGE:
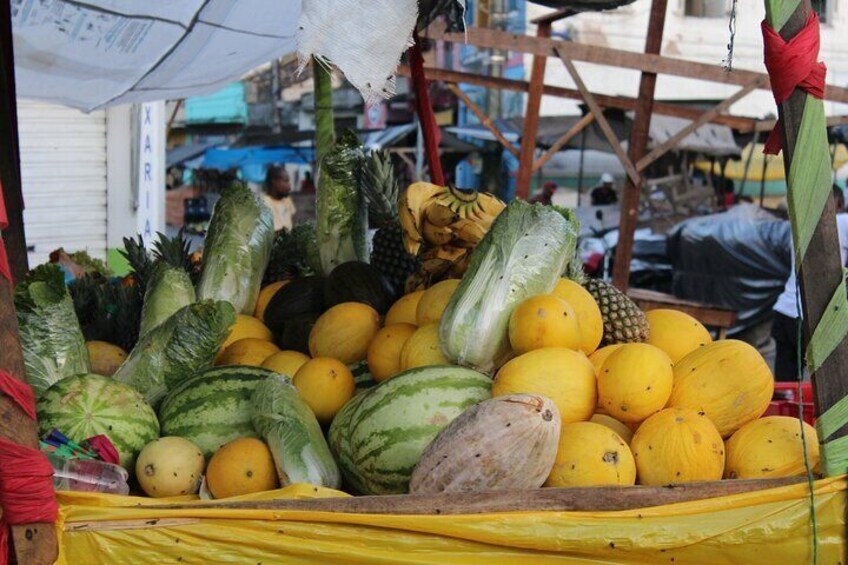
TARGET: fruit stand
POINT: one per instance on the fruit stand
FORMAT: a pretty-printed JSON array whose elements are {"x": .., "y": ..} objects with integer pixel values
[{"x": 441, "y": 408}]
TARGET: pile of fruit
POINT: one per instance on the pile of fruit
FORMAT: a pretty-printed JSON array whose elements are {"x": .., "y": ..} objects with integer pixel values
[{"x": 500, "y": 368}]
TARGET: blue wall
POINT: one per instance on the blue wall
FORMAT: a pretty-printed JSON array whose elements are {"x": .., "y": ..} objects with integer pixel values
[{"x": 227, "y": 106}]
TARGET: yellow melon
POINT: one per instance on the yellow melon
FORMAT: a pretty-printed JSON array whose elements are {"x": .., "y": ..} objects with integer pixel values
[
  {"x": 245, "y": 326},
  {"x": 677, "y": 445},
  {"x": 563, "y": 375},
  {"x": 404, "y": 311},
  {"x": 588, "y": 313},
  {"x": 344, "y": 332},
  {"x": 169, "y": 466},
  {"x": 105, "y": 358},
  {"x": 771, "y": 447},
  {"x": 433, "y": 302},
  {"x": 543, "y": 321},
  {"x": 676, "y": 333},
  {"x": 422, "y": 348},
  {"x": 635, "y": 382},
  {"x": 591, "y": 454},
  {"x": 285, "y": 362},
  {"x": 248, "y": 351},
  {"x": 242, "y": 466},
  {"x": 728, "y": 380},
  {"x": 599, "y": 356},
  {"x": 265, "y": 296},
  {"x": 384, "y": 352},
  {"x": 325, "y": 384},
  {"x": 620, "y": 428}
]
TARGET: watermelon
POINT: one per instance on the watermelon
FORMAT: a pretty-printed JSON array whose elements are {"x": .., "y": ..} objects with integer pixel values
[
  {"x": 212, "y": 407},
  {"x": 338, "y": 434},
  {"x": 362, "y": 375},
  {"x": 88, "y": 405},
  {"x": 381, "y": 434}
]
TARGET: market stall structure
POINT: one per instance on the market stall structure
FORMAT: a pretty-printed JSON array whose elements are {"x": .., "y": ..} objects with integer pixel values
[{"x": 553, "y": 515}]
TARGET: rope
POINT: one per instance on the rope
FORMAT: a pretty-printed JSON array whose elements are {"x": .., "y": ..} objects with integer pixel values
[
  {"x": 810, "y": 479},
  {"x": 731, "y": 26}
]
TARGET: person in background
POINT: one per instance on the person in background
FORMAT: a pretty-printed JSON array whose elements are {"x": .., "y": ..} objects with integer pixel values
[
  {"x": 278, "y": 197},
  {"x": 307, "y": 185},
  {"x": 546, "y": 196},
  {"x": 604, "y": 193},
  {"x": 784, "y": 328}
]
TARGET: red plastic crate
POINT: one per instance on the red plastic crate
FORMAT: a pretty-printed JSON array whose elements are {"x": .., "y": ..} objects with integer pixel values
[{"x": 785, "y": 401}]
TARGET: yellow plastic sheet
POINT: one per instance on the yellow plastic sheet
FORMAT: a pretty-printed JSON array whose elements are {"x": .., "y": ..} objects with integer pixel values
[{"x": 771, "y": 526}]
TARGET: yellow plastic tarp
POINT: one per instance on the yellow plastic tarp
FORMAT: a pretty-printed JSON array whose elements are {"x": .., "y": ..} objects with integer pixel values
[
  {"x": 774, "y": 171},
  {"x": 771, "y": 526}
]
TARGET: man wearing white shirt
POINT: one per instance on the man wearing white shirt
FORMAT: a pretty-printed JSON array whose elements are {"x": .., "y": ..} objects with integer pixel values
[{"x": 784, "y": 328}]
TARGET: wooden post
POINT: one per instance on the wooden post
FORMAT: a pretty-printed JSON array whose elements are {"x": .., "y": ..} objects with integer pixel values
[
  {"x": 10, "y": 164},
  {"x": 820, "y": 272},
  {"x": 638, "y": 145},
  {"x": 32, "y": 543},
  {"x": 531, "y": 117}
]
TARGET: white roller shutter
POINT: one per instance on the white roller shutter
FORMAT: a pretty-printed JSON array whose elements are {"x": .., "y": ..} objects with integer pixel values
[{"x": 63, "y": 169}]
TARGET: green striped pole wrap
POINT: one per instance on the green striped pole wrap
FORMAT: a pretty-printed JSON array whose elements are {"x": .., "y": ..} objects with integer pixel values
[{"x": 818, "y": 265}]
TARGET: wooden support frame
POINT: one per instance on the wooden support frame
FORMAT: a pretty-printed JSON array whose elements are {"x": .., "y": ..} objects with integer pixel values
[
  {"x": 581, "y": 124},
  {"x": 646, "y": 62},
  {"x": 531, "y": 116},
  {"x": 739, "y": 123},
  {"x": 484, "y": 119},
  {"x": 598, "y": 112},
  {"x": 704, "y": 118}
]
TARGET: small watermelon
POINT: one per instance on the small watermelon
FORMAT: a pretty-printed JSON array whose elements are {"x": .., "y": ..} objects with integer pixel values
[
  {"x": 383, "y": 431},
  {"x": 213, "y": 407},
  {"x": 88, "y": 405}
]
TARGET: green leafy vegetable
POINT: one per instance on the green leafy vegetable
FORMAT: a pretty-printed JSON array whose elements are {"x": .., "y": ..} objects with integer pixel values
[
  {"x": 300, "y": 451},
  {"x": 342, "y": 219},
  {"x": 523, "y": 254},
  {"x": 51, "y": 338},
  {"x": 178, "y": 348},
  {"x": 238, "y": 246},
  {"x": 168, "y": 290}
]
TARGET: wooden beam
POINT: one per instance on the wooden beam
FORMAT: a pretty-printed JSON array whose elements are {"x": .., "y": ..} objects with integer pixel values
[
  {"x": 768, "y": 125},
  {"x": 708, "y": 315},
  {"x": 638, "y": 144},
  {"x": 578, "y": 499},
  {"x": 672, "y": 141},
  {"x": 598, "y": 112},
  {"x": 621, "y": 102},
  {"x": 645, "y": 62},
  {"x": 484, "y": 119},
  {"x": 531, "y": 117},
  {"x": 36, "y": 543},
  {"x": 820, "y": 272},
  {"x": 565, "y": 138}
]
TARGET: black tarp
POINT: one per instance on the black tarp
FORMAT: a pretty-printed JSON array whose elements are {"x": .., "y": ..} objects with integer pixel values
[{"x": 738, "y": 259}]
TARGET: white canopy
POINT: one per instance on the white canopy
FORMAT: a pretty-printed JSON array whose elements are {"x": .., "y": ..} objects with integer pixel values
[{"x": 103, "y": 52}]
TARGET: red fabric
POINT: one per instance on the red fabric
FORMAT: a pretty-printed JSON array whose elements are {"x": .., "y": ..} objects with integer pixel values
[
  {"x": 4, "y": 223},
  {"x": 104, "y": 448},
  {"x": 429, "y": 127},
  {"x": 26, "y": 485},
  {"x": 792, "y": 64}
]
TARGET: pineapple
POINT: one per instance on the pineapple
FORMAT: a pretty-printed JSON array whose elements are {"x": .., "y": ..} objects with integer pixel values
[
  {"x": 380, "y": 187},
  {"x": 294, "y": 254},
  {"x": 624, "y": 321}
]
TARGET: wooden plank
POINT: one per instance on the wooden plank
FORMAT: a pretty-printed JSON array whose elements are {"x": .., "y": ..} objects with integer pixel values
[
  {"x": 116, "y": 525},
  {"x": 598, "y": 112},
  {"x": 821, "y": 268},
  {"x": 645, "y": 62},
  {"x": 639, "y": 132},
  {"x": 36, "y": 543},
  {"x": 706, "y": 314},
  {"x": 768, "y": 125},
  {"x": 584, "y": 499},
  {"x": 621, "y": 102},
  {"x": 704, "y": 118},
  {"x": 531, "y": 117},
  {"x": 564, "y": 138},
  {"x": 484, "y": 119}
]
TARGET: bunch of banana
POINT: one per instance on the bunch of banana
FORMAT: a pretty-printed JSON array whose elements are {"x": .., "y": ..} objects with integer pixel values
[{"x": 442, "y": 225}]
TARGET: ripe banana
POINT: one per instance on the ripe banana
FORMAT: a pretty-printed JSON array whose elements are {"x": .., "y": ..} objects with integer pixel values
[
  {"x": 410, "y": 208},
  {"x": 435, "y": 235}
]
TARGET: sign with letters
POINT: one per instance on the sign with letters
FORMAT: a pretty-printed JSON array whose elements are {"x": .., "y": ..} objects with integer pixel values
[{"x": 151, "y": 178}]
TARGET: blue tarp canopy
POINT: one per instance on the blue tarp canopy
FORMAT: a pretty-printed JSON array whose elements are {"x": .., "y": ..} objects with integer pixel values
[{"x": 254, "y": 161}]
